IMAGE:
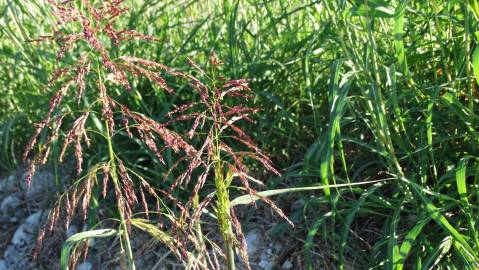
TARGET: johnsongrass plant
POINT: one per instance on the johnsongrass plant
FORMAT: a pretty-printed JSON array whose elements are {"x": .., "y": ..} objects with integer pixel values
[
  {"x": 82, "y": 29},
  {"x": 92, "y": 69},
  {"x": 215, "y": 124}
]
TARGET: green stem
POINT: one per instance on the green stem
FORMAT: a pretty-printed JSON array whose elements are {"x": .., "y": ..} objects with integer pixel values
[
  {"x": 223, "y": 207},
  {"x": 230, "y": 256},
  {"x": 124, "y": 229},
  {"x": 467, "y": 53},
  {"x": 223, "y": 213}
]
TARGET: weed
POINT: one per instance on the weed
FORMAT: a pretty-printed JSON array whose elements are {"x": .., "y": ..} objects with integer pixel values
[{"x": 83, "y": 29}]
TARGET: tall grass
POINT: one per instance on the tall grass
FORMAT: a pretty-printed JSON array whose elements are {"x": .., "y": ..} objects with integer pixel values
[{"x": 351, "y": 92}]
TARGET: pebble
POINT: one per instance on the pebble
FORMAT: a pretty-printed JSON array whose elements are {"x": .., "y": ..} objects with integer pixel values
[
  {"x": 287, "y": 264},
  {"x": 84, "y": 266}
]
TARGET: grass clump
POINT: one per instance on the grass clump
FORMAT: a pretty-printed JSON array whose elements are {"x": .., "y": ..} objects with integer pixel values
[{"x": 85, "y": 28}]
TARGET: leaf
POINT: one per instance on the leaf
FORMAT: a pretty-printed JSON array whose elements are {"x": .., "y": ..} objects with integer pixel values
[
  {"x": 461, "y": 181},
  {"x": 400, "y": 51},
  {"x": 442, "y": 221},
  {"x": 348, "y": 221},
  {"x": 308, "y": 244},
  {"x": 462, "y": 190},
  {"x": 247, "y": 199},
  {"x": 77, "y": 238},
  {"x": 375, "y": 9},
  {"x": 408, "y": 242},
  {"x": 475, "y": 63},
  {"x": 393, "y": 248}
]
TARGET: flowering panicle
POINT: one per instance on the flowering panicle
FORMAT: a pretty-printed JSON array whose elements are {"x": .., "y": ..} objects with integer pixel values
[
  {"x": 95, "y": 22},
  {"x": 79, "y": 194},
  {"x": 220, "y": 121},
  {"x": 242, "y": 240}
]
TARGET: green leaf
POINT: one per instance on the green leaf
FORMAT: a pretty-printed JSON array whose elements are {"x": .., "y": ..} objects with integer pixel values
[
  {"x": 399, "y": 48},
  {"x": 247, "y": 199},
  {"x": 375, "y": 9},
  {"x": 77, "y": 238},
  {"x": 475, "y": 63},
  {"x": 408, "y": 243}
]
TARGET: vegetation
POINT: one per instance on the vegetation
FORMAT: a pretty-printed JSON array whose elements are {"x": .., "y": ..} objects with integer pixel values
[{"x": 368, "y": 112}]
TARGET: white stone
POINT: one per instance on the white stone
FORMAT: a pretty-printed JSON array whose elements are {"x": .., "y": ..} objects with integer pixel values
[
  {"x": 25, "y": 233},
  {"x": 9, "y": 204},
  {"x": 266, "y": 261},
  {"x": 85, "y": 266},
  {"x": 72, "y": 229},
  {"x": 287, "y": 264},
  {"x": 7, "y": 184},
  {"x": 253, "y": 241}
]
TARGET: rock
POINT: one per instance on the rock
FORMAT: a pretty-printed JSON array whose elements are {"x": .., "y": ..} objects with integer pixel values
[
  {"x": 253, "y": 241},
  {"x": 42, "y": 181},
  {"x": 10, "y": 210},
  {"x": 9, "y": 204},
  {"x": 17, "y": 254},
  {"x": 8, "y": 184},
  {"x": 72, "y": 229},
  {"x": 18, "y": 221},
  {"x": 266, "y": 261},
  {"x": 25, "y": 234},
  {"x": 84, "y": 266},
  {"x": 287, "y": 264}
]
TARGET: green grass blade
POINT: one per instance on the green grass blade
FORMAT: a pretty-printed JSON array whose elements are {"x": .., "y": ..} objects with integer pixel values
[
  {"x": 79, "y": 237},
  {"x": 392, "y": 247},
  {"x": 247, "y": 199},
  {"x": 408, "y": 243},
  {"x": 348, "y": 221}
]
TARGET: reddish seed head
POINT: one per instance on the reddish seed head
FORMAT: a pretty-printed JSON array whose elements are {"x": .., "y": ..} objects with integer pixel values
[
  {"x": 243, "y": 247},
  {"x": 106, "y": 177},
  {"x": 143, "y": 201},
  {"x": 30, "y": 173},
  {"x": 214, "y": 60}
]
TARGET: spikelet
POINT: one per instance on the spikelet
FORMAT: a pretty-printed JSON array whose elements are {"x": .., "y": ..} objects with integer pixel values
[
  {"x": 30, "y": 173},
  {"x": 76, "y": 134},
  {"x": 82, "y": 70},
  {"x": 106, "y": 177}
]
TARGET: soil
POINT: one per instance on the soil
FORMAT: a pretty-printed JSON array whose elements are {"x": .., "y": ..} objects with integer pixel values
[{"x": 23, "y": 211}]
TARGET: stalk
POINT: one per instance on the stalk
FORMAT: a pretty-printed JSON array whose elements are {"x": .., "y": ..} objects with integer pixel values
[
  {"x": 222, "y": 194},
  {"x": 124, "y": 229},
  {"x": 223, "y": 214},
  {"x": 467, "y": 52}
]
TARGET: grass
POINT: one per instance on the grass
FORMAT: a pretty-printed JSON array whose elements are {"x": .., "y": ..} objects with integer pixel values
[{"x": 351, "y": 92}]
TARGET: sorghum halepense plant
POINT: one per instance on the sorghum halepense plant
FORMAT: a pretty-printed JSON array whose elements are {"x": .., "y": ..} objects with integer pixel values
[
  {"x": 215, "y": 124},
  {"x": 85, "y": 32}
]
